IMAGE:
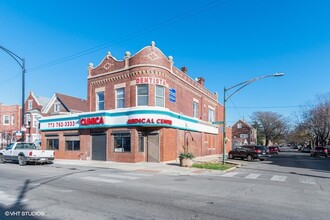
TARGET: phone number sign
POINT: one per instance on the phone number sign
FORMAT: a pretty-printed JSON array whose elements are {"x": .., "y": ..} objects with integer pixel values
[{"x": 62, "y": 124}]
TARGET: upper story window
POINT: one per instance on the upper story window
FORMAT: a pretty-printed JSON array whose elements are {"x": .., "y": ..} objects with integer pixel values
[
  {"x": 57, "y": 107},
  {"x": 195, "y": 109},
  {"x": 243, "y": 135},
  {"x": 142, "y": 95},
  {"x": 35, "y": 122},
  {"x": 160, "y": 96},
  {"x": 27, "y": 119},
  {"x": 211, "y": 115},
  {"x": 120, "y": 98},
  {"x": 100, "y": 100},
  {"x": 30, "y": 104},
  {"x": 13, "y": 119},
  {"x": 239, "y": 125},
  {"x": 6, "y": 119}
]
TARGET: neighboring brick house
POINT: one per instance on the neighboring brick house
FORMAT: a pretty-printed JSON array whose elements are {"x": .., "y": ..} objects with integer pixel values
[
  {"x": 61, "y": 104},
  {"x": 10, "y": 123},
  {"x": 37, "y": 107},
  {"x": 34, "y": 106},
  {"x": 243, "y": 133},
  {"x": 142, "y": 108}
]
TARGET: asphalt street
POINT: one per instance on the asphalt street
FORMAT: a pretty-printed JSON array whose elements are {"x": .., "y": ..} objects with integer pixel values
[{"x": 291, "y": 185}]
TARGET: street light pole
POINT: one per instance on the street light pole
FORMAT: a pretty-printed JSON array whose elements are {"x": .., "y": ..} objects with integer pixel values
[
  {"x": 21, "y": 62},
  {"x": 225, "y": 98}
]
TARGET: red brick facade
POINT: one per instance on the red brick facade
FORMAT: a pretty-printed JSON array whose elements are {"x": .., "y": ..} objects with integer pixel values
[
  {"x": 243, "y": 133},
  {"x": 178, "y": 112},
  {"x": 10, "y": 123}
]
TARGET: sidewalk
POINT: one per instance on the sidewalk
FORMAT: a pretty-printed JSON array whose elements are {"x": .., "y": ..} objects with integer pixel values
[{"x": 168, "y": 168}]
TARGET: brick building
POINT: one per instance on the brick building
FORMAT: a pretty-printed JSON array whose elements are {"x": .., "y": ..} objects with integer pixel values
[
  {"x": 37, "y": 107},
  {"x": 10, "y": 124},
  {"x": 33, "y": 107},
  {"x": 243, "y": 133},
  {"x": 141, "y": 108}
]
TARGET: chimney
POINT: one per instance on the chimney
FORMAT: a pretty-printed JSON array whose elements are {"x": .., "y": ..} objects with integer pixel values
[
  {"x": 184, "y": 69},
  {"x": 201, "y": 80}
]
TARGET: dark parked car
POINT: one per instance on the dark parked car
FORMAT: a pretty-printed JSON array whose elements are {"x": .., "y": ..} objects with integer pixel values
[
  {"x": 250, "y": 152},
  {"x": 273, "y": 150},
  {"x": 320, "y": 151}
]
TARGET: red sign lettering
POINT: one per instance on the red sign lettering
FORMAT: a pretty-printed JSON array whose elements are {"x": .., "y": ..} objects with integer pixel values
[
  {"x": 149, "y": 121},
  {"x": 150, "y": 80},
  {"x": 92, "y": 121}
]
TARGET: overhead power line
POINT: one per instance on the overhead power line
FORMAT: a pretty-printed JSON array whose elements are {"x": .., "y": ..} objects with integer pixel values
[
  {"x": 254, "y": 107},
  {"x": 148, "y": 29}
]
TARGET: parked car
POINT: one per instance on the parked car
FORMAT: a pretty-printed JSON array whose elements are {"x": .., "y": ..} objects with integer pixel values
[
  {"x": 320, "y": 151},
  {"x": 273, "y": 150},
  {"x": 25, "y": 152},
  {"x": 250, "y": 152},
  {"x": 306, "y": 149}
]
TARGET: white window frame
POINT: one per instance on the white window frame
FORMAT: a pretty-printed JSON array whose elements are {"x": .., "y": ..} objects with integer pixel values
[
  {"x": 160, "y": 97},
  {"x": 8, "y": 119},
  {"x": 30, "y": 103},
  {"x": 122, "y": 99},
  {"x": 57, "y": 107},
  {"x": 243, "y": 136},
  {"x": 239, "y": 125},
  {"x": 211, "y": 115},
  {"x": 98, "y": 101},
  {"x": 137, "y": 95},
  {"x": 28, "y": 119},
  {"x": 195, "y": 109},
  {"x": 13, "y": 119}
]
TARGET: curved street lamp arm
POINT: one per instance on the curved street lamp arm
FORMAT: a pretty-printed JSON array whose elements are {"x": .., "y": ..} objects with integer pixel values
[
  {"x": 14, "y": 56},
  {"x": 245, "y": 83},
  {"x": 22, "y": 65},
  {"x": 239, "y": 89}
]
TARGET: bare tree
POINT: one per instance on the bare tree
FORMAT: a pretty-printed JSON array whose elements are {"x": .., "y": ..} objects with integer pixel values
[
  {"x": 316, "y": 120},
  {"x": 271, "y": 125}
]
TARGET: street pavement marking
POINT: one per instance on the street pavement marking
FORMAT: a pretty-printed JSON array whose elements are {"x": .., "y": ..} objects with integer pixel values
[
  {"x": 307, "y": 180},
  {"x": 139, "y": 174},
  {"x": 252, "y": 176},
  {"x": 230, "y": 174},
  {"x": 120, "y": 176},
  {"x": 278, "y": 178},
  {"x": 98, "y": 179},
  {"x": 7, "y": 199}
]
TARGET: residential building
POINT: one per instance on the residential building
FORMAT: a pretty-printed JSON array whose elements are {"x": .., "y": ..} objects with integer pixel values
[
  {"x": 37, "y": 107},
  {"x": 33, "y": 108},
  {"x": 243, "y": 133},
  {"x": 10, "y": 124},
  {"x": 142, "y": 108}
]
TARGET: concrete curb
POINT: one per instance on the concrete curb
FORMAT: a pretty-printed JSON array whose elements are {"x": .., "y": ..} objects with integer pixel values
[{"x": 165, "y": 168}]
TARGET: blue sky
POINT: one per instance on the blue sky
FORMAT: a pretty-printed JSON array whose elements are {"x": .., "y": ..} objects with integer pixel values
[{"x": 226, "y": 42}]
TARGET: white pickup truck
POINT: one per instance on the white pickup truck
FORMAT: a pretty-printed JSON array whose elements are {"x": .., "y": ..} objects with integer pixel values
[{"x": 25, "y": 152}]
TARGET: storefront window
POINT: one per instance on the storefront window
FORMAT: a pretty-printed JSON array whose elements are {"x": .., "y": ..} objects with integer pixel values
[
  {"x": 160, "y": 96},
  {"x": 52, "y": 144},
  {"x": 122, "y": 142},
  {"x": 120, "y": 98},
  {"x": 72, "y": 142},
  {"x": 72, "y": 145},
  {"x": 142, "y": 95}
]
